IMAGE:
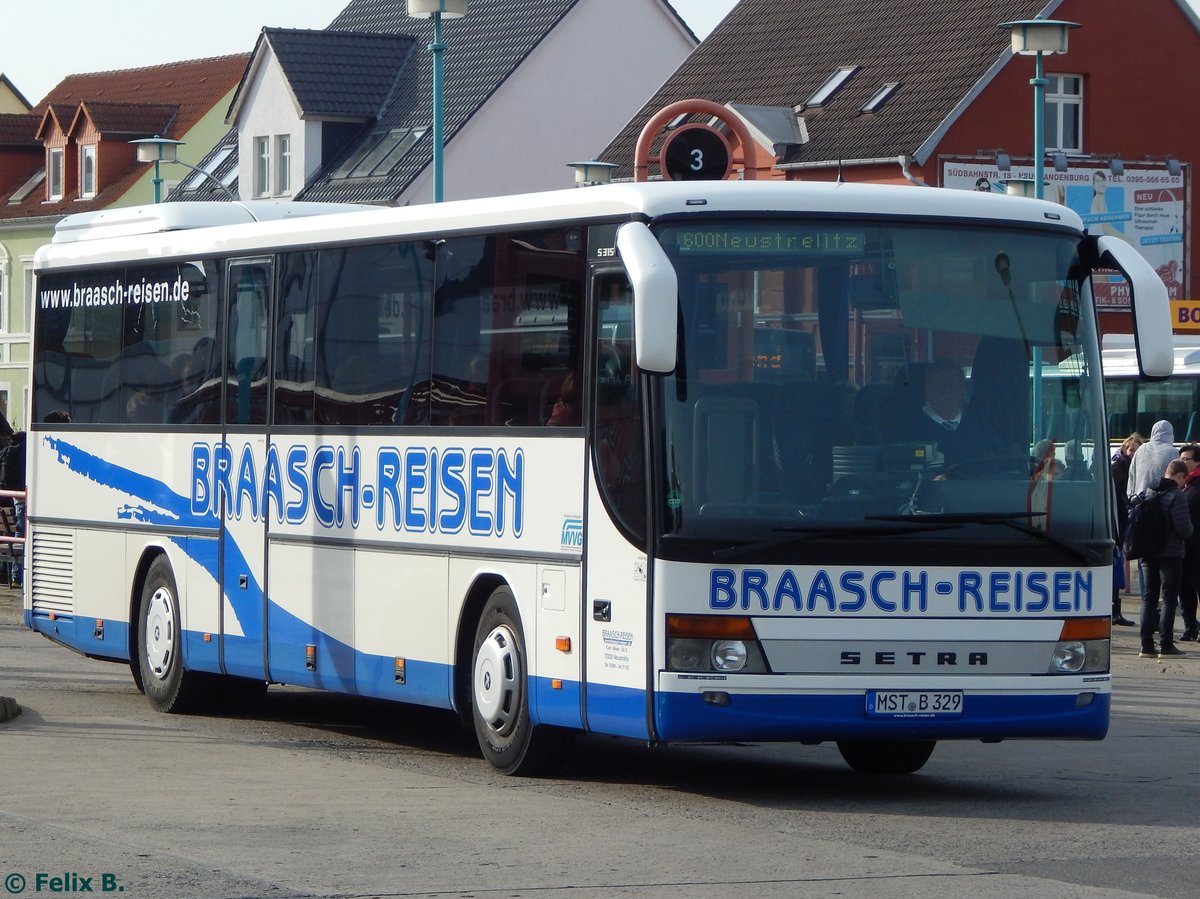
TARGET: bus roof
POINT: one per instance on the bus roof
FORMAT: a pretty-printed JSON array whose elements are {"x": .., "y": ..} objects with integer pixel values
[
  {"x": 125, "y": 221},
  {"x": 175, "y": 230},
  {"x": 1119, "y": 357}
]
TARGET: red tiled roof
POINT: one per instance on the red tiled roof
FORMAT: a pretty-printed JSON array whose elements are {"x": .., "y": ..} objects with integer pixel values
[
  {"x": 126, "y": 118},
  {"x": 18, "y": 129},
  {"x": 191, "y": 84},
  {"x": 167, "y": 99}
]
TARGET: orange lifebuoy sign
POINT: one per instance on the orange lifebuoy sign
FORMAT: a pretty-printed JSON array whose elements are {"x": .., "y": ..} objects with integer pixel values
[{"x": 696, "y": 153}]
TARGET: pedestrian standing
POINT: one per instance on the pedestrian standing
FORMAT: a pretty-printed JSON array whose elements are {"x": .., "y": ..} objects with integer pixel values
[
  {"x": 1164, "y": 569},
  {"x": 1189, "y": 590},
  {"x": 1150, "y": 461},
  {"x": 12, "y": 477},
  {"x": 1119, "y": 468}
]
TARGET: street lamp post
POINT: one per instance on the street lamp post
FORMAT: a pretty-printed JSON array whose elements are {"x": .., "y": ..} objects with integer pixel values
[
  {"x": 437, "y": 10},
  {"x": 163, "y": 149},
  {"x": 157, "y": 150},
  {"x": 1037, "y": 38}
]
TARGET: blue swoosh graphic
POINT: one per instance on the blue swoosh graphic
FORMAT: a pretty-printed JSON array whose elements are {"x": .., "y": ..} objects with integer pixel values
[
  {"x": 160, "y": 505},
  {"x": 166, "y": 507}
]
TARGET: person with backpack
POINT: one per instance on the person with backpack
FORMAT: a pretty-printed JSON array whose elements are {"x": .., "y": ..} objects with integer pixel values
[
  {"x": 1146, "y": 470},
  {"x": 1164, "y": 568}
]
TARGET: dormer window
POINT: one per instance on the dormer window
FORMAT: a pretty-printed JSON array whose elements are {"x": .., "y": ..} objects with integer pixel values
[
  {"x": 54, "y": 174},
  {"x": 833, "y": 84},
  {"x": 87, "y": 171}
]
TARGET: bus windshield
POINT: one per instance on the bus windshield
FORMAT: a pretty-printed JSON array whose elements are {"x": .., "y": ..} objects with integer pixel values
[{"x": 837, "y": 374}]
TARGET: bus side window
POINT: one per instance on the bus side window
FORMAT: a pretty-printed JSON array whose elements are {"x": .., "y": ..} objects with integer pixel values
[
  {"x": 249, "y": 310},
  {"x": 293, "y": 367}
]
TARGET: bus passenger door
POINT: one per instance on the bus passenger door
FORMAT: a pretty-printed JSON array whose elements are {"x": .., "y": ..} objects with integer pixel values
[
  {"x": 239, "y": 469},
  {"x": 616, "y": 594}
]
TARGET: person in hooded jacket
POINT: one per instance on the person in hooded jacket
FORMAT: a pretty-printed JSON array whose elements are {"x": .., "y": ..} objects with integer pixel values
[
  {"x": 1149, "y": 463},
  {"x": 1164, "y": 570}
]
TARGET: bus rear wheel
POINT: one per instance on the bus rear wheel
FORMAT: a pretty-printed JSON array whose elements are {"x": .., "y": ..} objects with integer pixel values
[
  {"x": 500, "y": 695},
  {"x": 160, "y": 642},
  {"x": 886, "y": 757}
]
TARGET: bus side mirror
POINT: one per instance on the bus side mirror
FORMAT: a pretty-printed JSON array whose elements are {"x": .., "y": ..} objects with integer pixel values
[
  {"x": 655, "y": 297},
  {"x": 1151, "y": 306}
]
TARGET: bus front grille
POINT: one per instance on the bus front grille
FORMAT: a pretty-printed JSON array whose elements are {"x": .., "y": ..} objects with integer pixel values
[{"x": 53, "y": 576}]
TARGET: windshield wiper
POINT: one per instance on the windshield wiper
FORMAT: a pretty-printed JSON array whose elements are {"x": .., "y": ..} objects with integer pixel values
[
  {"x": 801, "y": 533},
  {"x": 1006, "y": 519}
]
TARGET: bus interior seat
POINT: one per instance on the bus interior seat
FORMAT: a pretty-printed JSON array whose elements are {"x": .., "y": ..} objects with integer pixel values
[
  {"x": 997, "y": 393},
  {"x": 725, "y": 444},
  {"x": 907, "y": 394},
  {"x": 871, "y": 407}
]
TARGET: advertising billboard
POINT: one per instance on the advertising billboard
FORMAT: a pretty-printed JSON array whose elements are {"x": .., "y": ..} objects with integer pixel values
[{"x": 1144, "y": 205}]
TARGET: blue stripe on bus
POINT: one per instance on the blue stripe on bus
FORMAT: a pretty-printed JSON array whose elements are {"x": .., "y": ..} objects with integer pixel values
[
  {"x": 562, "y": 707},
  {"x": 686, "y": 716},
  {"x": 81, "y": 634},
  {"x": 617, "y": 710}
]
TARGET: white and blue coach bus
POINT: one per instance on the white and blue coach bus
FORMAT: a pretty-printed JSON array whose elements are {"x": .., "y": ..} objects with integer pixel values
[{"x": 646, "y": 460}]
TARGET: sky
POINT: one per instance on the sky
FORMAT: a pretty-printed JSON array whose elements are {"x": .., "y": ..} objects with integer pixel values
[{"x": 95, "y": 36}]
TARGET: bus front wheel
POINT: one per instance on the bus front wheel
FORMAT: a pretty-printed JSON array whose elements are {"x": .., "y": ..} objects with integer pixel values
[
  {"x": 500, "y": 695},
  {"x": 886, "y": 757},
  {"x": 160, "y": 642}
]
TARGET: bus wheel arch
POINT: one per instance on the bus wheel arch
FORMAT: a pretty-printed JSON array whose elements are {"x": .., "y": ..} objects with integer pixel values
[
  {"x": 158, "y": 644},
  {"x": 499, "y": 694},
  {"x": 464, "y": 642},
  {"x": 135, "y": 605}
]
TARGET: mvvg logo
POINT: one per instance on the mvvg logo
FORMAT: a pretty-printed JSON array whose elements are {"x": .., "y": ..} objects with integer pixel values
[{"x": 572, "y": 534}]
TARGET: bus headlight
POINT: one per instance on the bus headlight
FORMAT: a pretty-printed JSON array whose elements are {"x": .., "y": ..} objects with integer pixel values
[
  {"x": 1080, "y": 657},
  {"x": 729, "y": 655},
  {"x": 686, "y": 655},
  {"x": 1068, "y": 657},
  {"x": 713, "y": 643},
  {"x": 1082, "y": 646}
]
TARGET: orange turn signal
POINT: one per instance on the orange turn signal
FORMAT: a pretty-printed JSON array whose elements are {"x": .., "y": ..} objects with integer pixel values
[
  {"x": 1086, "y": 629},
  {"x": 720, "y": 627}
]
